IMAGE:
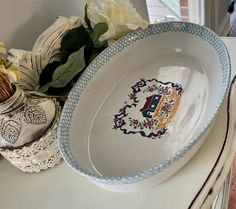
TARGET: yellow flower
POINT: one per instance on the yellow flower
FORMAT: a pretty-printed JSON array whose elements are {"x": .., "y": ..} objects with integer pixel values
[
  {"x": 13, "y": 73},
  {"x": 2, "y": 48},
  {"x": 7, "y": 68},
  {"x": 120, "y": 16}
]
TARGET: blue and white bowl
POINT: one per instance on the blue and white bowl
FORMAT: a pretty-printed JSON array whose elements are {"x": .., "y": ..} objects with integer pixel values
[{"x": 145, "y": 105}]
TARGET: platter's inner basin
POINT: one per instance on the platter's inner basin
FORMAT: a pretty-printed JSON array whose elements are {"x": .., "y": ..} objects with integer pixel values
[
  {"x": 148, "y": 114},
  {"x": 145, "y": 105}
]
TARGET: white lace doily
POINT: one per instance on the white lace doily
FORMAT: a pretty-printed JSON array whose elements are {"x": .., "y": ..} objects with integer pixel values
[{"x": 41, "y": 154}]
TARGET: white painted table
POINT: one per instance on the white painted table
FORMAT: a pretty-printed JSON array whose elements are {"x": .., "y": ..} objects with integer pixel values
[{"x": 60, "y": 187}]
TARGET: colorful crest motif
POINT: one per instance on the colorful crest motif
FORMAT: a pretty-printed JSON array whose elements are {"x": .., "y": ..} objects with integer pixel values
[{"x": 151, "y": 106}]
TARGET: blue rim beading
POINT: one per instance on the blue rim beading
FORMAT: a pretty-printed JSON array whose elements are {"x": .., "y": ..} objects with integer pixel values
[{"x": 73, "y": 98}]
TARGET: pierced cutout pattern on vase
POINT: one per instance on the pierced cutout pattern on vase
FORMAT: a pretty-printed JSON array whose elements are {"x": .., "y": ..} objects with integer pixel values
[
  {"x": 150, "y": 107},
  {"x": 10, "y": 130},
  {"x": 35, "y": 115}
]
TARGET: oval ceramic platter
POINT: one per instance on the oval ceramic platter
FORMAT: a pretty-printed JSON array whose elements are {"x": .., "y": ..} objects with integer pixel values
[{"x": 144, "y": 106}]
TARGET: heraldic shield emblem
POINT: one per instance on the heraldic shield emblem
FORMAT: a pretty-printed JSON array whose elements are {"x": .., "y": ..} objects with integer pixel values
[{"x": 149, "y": 108}]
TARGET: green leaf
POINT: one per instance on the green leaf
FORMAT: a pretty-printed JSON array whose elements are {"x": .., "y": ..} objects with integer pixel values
[
  {"x": 65, "y": 73},
  {"x": 86, "y": 17},
  {"x": 72, "y": 41},
  {"x": 98, "y": 30},
  {"x": 46, "y": 75},
  {"x": 93, "y": 56}
]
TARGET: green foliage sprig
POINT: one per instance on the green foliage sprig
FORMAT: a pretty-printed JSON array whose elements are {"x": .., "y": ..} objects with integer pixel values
[{"x": 79, "y": 46}]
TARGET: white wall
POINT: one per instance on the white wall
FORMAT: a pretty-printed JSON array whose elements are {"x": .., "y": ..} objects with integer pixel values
[{"x": 22, "y": 21}]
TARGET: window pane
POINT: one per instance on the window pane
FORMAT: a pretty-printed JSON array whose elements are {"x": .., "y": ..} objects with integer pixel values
[{"x": 185, "y": 10}]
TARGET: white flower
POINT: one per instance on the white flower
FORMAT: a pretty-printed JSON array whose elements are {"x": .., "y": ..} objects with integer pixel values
[{"x": 120, "y": 16}]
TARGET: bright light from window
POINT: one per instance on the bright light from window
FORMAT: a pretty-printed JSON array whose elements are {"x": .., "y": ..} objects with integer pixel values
[{"x": 184, "y": 10}]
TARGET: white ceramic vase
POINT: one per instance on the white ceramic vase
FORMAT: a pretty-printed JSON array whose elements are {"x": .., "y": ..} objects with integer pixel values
[{"x": 24, "y": 117}]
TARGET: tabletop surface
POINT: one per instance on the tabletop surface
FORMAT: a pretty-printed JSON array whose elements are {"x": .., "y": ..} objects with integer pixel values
[{"x": 61, "y": 188}]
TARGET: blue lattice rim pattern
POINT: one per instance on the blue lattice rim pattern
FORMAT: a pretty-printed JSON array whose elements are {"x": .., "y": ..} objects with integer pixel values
[{"x": 67, "y": 113}]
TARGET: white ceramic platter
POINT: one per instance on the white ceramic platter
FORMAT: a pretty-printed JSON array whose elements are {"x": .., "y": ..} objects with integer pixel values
[{"x": 144, "y": 106}]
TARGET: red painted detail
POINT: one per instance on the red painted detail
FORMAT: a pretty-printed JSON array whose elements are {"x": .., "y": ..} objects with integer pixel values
[{"x": 147, "y": 103}]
